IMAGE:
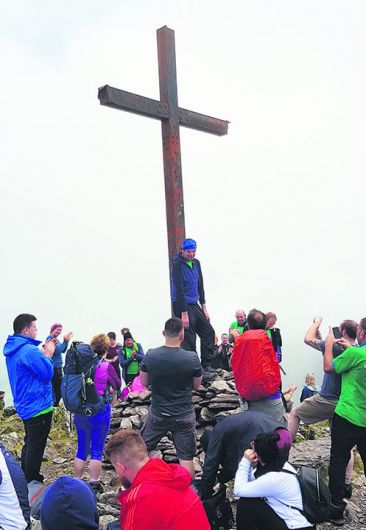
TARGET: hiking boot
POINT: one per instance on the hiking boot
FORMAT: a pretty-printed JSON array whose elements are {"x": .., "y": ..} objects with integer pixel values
[
  {"x": 348, "y": 491},
  {"x": 336, "y": 516}
]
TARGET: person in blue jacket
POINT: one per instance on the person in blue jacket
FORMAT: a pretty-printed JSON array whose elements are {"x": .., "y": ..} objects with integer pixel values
[
  {"x": 61, "y": 347},
  {"x": 30, "y": 372},
  {"x": 69, "y": 504},
  {"x": 189, "y": 304}
]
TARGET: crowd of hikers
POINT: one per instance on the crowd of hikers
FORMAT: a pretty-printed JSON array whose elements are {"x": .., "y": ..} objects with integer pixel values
[{"x": 251, "y": 447}]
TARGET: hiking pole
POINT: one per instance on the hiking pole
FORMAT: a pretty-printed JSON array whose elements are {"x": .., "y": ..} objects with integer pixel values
[{"x": 282, "y": 370}]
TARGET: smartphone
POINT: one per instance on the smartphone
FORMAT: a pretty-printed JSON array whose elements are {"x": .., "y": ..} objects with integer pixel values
[{"x": 336, "y": 333}]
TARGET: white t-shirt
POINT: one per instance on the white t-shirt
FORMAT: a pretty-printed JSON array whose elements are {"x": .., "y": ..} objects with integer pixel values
[
  {"x": 281, "y": 490},
  {"x": 11, "y": 515}
]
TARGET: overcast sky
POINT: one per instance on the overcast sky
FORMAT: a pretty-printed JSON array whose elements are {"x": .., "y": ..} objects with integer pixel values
[{"x": 276, "y": 206}]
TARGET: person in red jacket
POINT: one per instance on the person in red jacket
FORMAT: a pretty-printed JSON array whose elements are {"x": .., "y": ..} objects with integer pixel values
[{"x": 157, "y": 495}]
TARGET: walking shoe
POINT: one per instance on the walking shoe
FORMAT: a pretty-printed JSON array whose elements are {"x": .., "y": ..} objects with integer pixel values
[
  {"x": 348, "y": 491},
  {"x": 336, "y": 516}
]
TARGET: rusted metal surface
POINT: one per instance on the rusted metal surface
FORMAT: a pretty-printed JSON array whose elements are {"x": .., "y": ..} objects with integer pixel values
[{"x": 171, "y": 116}]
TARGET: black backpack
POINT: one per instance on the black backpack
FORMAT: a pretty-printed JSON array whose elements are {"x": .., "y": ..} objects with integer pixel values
[
  {"x": 315, "y": 494},
  {"x": 218, "y": 510},
  {"x": 78, "y": 389}
]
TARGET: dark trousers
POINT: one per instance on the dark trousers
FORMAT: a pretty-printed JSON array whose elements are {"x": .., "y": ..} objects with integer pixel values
[
  {"x": 256, "y": 514},
  {"x": 35, "y": 439},
  {"x": 130, "y": 377},
  {"x": 345, "y": 435},
  {"x": 198, "y": 325},
  {"x": 56, "y": 385}
]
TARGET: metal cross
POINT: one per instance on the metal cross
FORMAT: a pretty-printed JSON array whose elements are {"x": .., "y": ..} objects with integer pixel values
[{"x": 171, "y": 116}]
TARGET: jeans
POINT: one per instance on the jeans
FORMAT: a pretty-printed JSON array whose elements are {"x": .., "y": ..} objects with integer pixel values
[
  {"x": 198, "y": 324},
  {"x": 35, "y": 439},
  {"x": 344, "y": 436}
]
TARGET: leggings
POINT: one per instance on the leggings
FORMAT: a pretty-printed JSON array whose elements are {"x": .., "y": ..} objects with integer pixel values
[{"x": 92, "y": 433}]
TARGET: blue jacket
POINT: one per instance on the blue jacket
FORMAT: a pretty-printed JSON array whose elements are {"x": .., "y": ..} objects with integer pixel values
[
  {"x": 186, "y": 283},
  {"x": 69, "y": 504},
  {"x": 59, "y": 350},
  {"x": 30, "y": 373}
]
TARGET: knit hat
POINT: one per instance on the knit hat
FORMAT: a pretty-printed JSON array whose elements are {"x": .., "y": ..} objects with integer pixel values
[
  {"x": 127, "y": 336},
  {"x": 189, "y": 244},
  {"x": 54, "y": 326},
  {"x": 69, "y": 504}
]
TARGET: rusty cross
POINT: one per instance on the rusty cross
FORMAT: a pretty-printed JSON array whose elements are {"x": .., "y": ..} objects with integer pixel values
[{"x": 171, "y": 116}]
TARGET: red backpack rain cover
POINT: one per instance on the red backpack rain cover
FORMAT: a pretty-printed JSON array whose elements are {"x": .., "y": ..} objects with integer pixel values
[{"x": 255, "y": 366}]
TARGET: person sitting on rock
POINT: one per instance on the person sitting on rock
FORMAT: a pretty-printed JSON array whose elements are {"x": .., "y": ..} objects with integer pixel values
[
  {"x": 224, "y": 446},
  {"x": 310, "y": 388},
  {"x": 130, "y": 356},
  {"x": 157, "y": 495},
  {"x": 14, "y": 505},
  {"x": 256, "y": 369},
  {"x": 69, "y": 504},
  {"x": 269, "y": 498}
]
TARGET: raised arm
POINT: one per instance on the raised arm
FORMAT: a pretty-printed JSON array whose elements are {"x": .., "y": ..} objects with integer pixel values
[{"x": 312, "y": 337}]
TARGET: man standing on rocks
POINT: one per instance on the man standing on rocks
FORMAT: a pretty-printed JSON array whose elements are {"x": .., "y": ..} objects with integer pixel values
[
  {"x": 30, "y": 372},
  {"x": 157, "y": 495},
  {"x": 172, "y": 372},
  {"x": 187, "y": 290},
  {"x": 349, "y": 420}
]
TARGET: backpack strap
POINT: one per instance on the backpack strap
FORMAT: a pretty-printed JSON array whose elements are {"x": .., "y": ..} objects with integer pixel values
[{"x": 293, "y": 473}]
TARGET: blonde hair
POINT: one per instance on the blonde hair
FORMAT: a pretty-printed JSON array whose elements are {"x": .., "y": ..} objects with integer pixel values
[
  {"x": 310, "y": 379},
  {"x": 100, "y": 343}
]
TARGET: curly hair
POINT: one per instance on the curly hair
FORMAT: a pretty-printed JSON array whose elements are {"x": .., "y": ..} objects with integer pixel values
[{"x": 100, "y": 343}]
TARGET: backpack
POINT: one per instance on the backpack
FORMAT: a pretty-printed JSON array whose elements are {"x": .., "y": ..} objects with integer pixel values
[
  {"x": 218, "y": 510},
  {"x": 77, "y": 388},
  {"x": 255, "y": 366},
  {"x": 315, "y": 494}
]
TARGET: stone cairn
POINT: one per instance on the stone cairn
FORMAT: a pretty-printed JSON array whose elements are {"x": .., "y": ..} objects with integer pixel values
[{"x": 212, "y": 402}]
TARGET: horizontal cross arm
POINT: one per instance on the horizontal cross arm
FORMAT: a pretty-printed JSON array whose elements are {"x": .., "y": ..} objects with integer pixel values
[
  {"x": 122, "y": 100},
  {"x": 201, "y": 122}
]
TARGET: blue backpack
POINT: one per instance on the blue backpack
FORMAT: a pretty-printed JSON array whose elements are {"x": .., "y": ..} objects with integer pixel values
[{"x": 78, "y": 389}]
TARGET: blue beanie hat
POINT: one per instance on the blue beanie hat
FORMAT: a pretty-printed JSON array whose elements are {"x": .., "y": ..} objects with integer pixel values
[
  {"x": 189, "y": 244},
  {"x": 69, "y": 504}
]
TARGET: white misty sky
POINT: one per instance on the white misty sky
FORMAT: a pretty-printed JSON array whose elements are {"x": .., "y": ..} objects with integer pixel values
[{"x": 276, "y": 206}]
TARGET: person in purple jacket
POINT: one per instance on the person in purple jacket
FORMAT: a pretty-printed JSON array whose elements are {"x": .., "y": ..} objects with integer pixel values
[{"x": 92, "y": 430}]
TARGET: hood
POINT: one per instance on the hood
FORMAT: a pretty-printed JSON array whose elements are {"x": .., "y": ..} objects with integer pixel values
[
  {"x": 69, "y": 504},
  {"x": 159, "y": 473},
  {"x": 156, "y": 471},
  {"x": 15, "y": 342}
]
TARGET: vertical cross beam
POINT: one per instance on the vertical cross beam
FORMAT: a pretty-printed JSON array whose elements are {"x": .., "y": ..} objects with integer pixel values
[{"x": 171, "y": 140}]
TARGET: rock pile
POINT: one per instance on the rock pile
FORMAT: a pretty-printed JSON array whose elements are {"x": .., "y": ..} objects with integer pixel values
[{"x": 212, "y": 402}]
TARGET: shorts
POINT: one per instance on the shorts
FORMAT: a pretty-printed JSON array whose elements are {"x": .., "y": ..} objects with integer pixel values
[
  {"x": 316, "y": 409},
  {"x": 271, "y": 407},
  {"x": 182, "y": 427}
]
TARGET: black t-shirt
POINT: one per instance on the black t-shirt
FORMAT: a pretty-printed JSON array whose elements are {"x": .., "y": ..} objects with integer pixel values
[{"x": 171, "y": 372}]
